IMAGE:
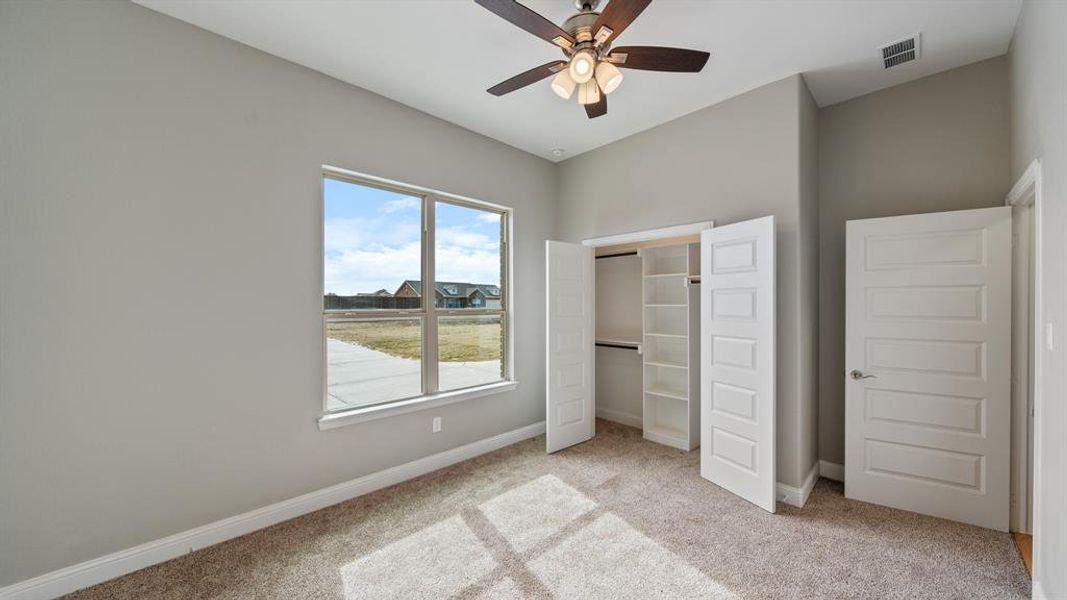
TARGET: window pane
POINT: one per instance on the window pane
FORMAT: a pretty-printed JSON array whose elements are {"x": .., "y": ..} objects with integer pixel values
[
  {"x": 372, "y": 361},
  {"x": 373, "y": 248},
  {"x": 467, "y": 260},
  {"x": 469, "y": 350}
]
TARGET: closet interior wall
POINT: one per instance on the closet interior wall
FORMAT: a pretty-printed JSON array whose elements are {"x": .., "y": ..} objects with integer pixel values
[{"x": 618, "y": 336}]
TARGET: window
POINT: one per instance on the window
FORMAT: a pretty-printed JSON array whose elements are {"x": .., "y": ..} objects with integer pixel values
[{"x": 415, "y": 286}]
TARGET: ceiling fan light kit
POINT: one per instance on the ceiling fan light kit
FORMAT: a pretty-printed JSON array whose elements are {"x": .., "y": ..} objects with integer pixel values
[
  {"x": 585, "y": 38},
  {"x": 582, "y": 65},
  {"x": 589, "y": 93},
  {"x": 608, "y": 76},
  {"x": 563, "y": 85}
]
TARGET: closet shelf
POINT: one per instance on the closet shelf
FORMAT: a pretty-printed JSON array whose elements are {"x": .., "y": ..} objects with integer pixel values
[
  {"x": 661, "y": 275},
  {"x": 670, "y": 359},
  {"x": 668, "y": 393},
  {"x": 611, "y": 339},
  {"x": 664, "y": 363},
  {"x": 676, "y": 336},
  {"x": 669, "y": 435}
]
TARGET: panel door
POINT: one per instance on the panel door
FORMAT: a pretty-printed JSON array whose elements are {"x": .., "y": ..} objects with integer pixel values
[
  {"x": 570, "y": 354},
  {"x": 928, "y": 349},
  {"x": 738, "y": 387}
]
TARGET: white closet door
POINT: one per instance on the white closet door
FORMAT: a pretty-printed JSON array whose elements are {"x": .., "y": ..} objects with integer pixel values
[
  {"x": 928, "y": 348},
  {"x": 570, "y": 349},
  {"x": 737, "y": 337}
]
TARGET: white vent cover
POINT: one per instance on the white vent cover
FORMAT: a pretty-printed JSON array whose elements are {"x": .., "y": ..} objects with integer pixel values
[{"x": 900, "y": 51}]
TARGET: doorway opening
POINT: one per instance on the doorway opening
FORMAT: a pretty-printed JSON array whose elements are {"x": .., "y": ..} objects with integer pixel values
[{"x": 1024, "y": 200}]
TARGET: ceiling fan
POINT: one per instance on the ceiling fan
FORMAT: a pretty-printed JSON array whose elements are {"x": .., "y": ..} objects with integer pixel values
[{"x": 591, "y": 65}]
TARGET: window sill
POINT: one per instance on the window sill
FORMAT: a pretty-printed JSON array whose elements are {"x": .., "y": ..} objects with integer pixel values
[{"x": 372, "y": 413}]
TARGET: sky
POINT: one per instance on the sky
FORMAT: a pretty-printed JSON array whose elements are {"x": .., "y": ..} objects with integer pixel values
[{"x": 373, "y": 240}]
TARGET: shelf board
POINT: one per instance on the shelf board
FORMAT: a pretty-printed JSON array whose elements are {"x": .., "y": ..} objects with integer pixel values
[
  {"x": 618, "y": 340},
  {"x": 667, "y": 435},
  {"x": 663, "y": 363},
  {"x": 668, "y": 393},
  {"x": 666, "y": 305},
  {"x": 655, "y": 275},
  {"x": 667, "y": 335}
]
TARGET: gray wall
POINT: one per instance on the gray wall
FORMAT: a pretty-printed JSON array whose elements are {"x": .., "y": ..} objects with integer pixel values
[
  {"x": 729, "y": 162},
  {"x": 1038, "y": 59},
  {"x": 808, "y": 307},
  {"x": 935, "y": 144},
  {"x": 154, "y": 177}
]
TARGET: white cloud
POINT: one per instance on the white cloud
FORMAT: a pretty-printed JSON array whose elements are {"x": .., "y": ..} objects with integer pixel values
[
  {"x": 365, "y": 255},
  {"x": 354, "y": 271},
  {"x": 400, "y": 204}
]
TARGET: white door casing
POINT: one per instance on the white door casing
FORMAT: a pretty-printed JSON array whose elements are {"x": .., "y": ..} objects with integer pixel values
[
  {"x": 570, "y": 353},
  {"x": 737, "y": 385},
  {"x": 928, "y": 349}
]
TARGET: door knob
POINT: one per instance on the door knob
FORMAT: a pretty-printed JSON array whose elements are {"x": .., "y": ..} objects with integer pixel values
[{"x": 857, "y": 374}]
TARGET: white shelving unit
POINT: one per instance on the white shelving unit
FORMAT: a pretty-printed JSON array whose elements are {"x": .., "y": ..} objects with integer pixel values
[{"x": 671, "y": 345}]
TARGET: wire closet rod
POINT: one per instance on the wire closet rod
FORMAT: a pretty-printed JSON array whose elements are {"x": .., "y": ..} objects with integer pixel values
[
  {"x": 617, "y": 254},
  {"x": 622, "y": 346}
]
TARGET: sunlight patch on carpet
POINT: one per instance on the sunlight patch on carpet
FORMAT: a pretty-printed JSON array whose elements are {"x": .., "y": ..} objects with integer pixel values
[
  {"x": 435, "y": 562},
  {"x": 535, "y": 511},
  {"x": 610, "y": 559}
]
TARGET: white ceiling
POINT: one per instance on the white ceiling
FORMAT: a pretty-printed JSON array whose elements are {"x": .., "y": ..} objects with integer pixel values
[{"x": 439, "y": 56}]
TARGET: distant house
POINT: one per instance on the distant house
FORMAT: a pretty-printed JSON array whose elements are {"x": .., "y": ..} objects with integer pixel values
[
  {"x": 382, "y": 292},
  {"x": 454, "y": 294}
]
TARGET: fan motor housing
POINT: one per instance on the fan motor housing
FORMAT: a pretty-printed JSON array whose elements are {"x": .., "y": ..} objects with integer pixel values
[{"x": 580, "y": 26}]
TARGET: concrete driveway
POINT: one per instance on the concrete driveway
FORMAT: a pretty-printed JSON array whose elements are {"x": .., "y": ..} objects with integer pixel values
[{"x": 360, "y": 376}]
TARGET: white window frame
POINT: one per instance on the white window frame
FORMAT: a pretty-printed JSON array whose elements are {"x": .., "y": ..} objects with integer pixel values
[{"x": 429, "y": 312}]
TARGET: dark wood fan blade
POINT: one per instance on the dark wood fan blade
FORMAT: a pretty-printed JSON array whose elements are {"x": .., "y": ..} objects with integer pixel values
[
  {"x": 618, "y": 16},
  {"x": 524, "y": 79},
  {"x": 599, "y": 109},
  {"x": 524, "y": 18},
  {"x": 655, "y": 58}
]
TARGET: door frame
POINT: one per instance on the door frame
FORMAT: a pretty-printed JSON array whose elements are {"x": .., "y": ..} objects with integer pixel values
[
  {"x": 643, "y": 238},
  {"x": 1027, "y": 191},
  {"x": 648, "y": 235}
]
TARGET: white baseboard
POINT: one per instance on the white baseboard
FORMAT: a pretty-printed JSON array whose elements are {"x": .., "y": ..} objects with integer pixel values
[
  {"x": 620, "y": 417},
  {"x": 1037, "y": 592},
  {"x": 98, "y": 570},
  {"x": 829, "y": 470},
  {"x": 798, "y": 497}
]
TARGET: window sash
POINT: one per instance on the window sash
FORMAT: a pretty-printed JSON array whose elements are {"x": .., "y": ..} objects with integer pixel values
[{"x": 429, "y": 312}]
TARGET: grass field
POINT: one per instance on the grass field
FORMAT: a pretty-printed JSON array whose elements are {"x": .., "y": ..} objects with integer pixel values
[{"x": 461, "y": 339}]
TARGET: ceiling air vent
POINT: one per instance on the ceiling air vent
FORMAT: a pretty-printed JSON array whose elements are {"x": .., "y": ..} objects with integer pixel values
[{"x": 900, "y": 52}]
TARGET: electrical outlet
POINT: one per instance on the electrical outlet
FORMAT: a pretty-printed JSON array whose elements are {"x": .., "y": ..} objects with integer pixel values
[{"x": 436, "y": 424}]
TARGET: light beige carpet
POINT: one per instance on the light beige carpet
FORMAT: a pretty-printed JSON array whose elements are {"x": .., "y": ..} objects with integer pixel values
[{"x": 616, "y": 517}]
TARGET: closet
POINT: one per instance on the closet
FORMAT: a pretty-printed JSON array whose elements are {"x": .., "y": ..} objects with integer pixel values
[
  {"x": 671, "y": 330},
  {"x": 647, "y": 336}
]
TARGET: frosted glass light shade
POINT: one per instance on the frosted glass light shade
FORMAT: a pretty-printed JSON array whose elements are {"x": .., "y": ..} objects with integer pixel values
[
  {"x": 608, "y": 76},
  {"x": 563, "y": 85},
  {"x": 589, "y": 93},
  {"x": 583, "y": 63}
]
